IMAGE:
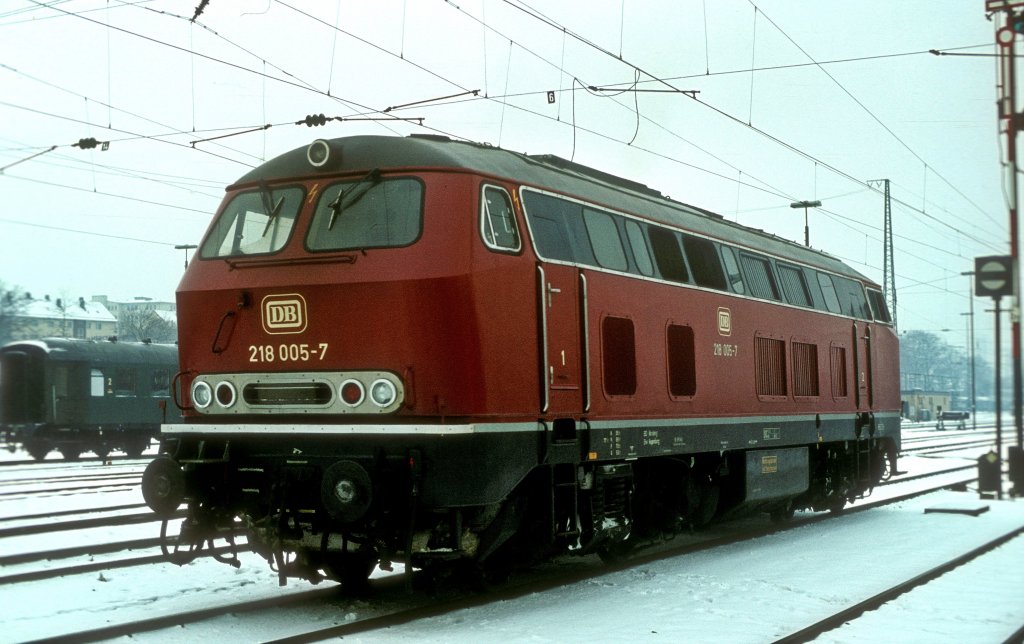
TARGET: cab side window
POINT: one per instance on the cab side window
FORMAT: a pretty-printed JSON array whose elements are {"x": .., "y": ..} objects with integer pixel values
[{"x": 497, "y": 221}]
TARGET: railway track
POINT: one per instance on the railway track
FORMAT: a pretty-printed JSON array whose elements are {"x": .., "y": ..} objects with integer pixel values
[
  {"x": 385, "y": 589},
  {"x": 851, "y": 613},
  {"x": 393, "y": 606}
]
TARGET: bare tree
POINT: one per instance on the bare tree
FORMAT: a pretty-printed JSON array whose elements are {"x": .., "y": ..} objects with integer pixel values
[
  {"x": 137, "y": 325},
  {"x": 12, "y": 301}
]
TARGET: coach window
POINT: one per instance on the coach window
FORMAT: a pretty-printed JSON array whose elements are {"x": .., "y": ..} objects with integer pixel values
[
  {"x": 96, "y": 383},
  {"x": 682, "y": 370},
  {"x": 254, "y": 223},
  {"x": 161, "y": 383},
  {"x": 732, "y": 270},
  {"x": 618, "y": 353},
  {"x": 123, "y": 382},
  {"x": 704, "y": 262},
  {"x": 828, "y": 290},
  {"x": 638, "y": 244},
  {"x": 604, "y": 239},
  {"x": 758, "y": 277},
  {"x": 794, "y": 285},
  {"x": 667, "y": 255},
  {"x": 367, "y": 213},
  {"x": 497, "y": 223}
]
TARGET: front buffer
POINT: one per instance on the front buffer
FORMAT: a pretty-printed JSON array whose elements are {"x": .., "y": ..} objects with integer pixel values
[{"x": 337, "y": 501}]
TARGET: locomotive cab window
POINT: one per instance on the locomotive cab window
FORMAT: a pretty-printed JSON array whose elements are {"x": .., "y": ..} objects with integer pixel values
[
  {"x": 879, "y": 310},
  {"x": 367, "y": 213},
  {"x": 257, "y": 222},
  {"x": 497, "y": 221}
]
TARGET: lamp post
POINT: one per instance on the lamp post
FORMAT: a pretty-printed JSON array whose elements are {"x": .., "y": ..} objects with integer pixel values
[
  {"x": 974, "y": 400},
  {"x": 186, "y": 248},
  {"x": 805, "y": 205}
]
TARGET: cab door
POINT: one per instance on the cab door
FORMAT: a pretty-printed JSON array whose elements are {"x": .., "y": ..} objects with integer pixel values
[
  {"x": 862, "y": 366},
  {"x": 561, "y": 292}
]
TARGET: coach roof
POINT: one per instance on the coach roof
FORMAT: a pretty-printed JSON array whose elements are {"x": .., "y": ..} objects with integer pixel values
[
  {"x": 97, "y": 352},
  {"x": 360, "y": 154}
]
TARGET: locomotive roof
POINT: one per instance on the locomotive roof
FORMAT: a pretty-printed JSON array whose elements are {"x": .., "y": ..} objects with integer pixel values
[
  {"x": 98, "y": 351},
  {"x": 360, "y": 154}
]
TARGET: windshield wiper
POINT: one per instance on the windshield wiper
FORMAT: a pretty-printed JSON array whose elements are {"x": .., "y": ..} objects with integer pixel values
[
  {"x": 352, "y": 196},
  {"x": 272, "y": 211}
]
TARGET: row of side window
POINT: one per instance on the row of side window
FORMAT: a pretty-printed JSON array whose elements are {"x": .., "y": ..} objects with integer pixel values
[
  {"x": 571, "y": 231},
  {"x": 774, "y": 369}
]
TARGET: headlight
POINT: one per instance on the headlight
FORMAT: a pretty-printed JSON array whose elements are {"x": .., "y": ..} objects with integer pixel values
[
  {"x": 383, "y": 392},
  {"x": 225, "y": 394},
  {"x": 318, "y": 153},
  {"x": 202, "y": 395}
]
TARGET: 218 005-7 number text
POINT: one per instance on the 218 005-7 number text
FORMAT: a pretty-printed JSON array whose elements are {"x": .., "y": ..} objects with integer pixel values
[{"x": 286, "y": 352}]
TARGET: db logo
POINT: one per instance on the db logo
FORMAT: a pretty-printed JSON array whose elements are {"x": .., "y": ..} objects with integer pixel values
[
  {"x": 284, "y": 313},
  {"x": 724, "y": 321}
]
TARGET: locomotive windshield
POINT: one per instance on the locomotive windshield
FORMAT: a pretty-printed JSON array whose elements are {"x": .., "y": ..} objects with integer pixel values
[
  {"x": 367, "y": 213},
  {"x": 254, "y": 223}
]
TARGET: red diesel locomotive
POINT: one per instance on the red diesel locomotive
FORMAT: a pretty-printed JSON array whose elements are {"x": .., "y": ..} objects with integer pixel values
[{"x": 445, "y": 354}]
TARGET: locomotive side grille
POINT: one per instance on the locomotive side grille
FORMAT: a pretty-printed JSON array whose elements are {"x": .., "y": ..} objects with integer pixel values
[
  {"x": 839, "y": 372},
  {"x": 287, "y": 393},
  {"x": 770, "y": 366},
  {"x": 805, "y": 369}
]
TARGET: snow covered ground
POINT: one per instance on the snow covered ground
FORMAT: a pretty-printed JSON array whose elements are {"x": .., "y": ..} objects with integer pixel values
[{"x": 754, "y": 591}]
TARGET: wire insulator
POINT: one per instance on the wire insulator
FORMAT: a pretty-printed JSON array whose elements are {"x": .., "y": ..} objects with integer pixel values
[
  {"x": 87, "y": 144},
  {"x": 314, "y": 120}
]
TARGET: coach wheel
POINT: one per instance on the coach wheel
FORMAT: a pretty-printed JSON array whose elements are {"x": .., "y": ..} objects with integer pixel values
[
  {"x": 70, "y": 452},
  {"x": 38, "y": 451},
  {"x": 101, "y": 452},
  {"x": 135, "y": 448}
]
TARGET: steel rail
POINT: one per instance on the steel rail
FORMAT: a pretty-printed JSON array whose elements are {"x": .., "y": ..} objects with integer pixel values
[{"x": 871, "y": 603}]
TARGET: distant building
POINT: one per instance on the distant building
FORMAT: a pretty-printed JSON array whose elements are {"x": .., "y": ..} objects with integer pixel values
[
  {"x": 56, "y": 318},
  {"x": 143, "y": 318},
  {"x": 925, "y": 405}
]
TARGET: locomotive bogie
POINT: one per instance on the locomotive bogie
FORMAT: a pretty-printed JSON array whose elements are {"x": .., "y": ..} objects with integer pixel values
[{"x": 432, "y": 352}]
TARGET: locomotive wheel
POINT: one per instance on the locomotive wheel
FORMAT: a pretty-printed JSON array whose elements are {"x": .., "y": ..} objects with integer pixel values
[
  {"x": 783, "y": 514},
  {"x": 352, "y": 569},
  {"x": 615, "y": 552}
]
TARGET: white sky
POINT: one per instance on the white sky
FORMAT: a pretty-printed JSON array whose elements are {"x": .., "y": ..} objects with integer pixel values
[{"x": 151, "y": 83}]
